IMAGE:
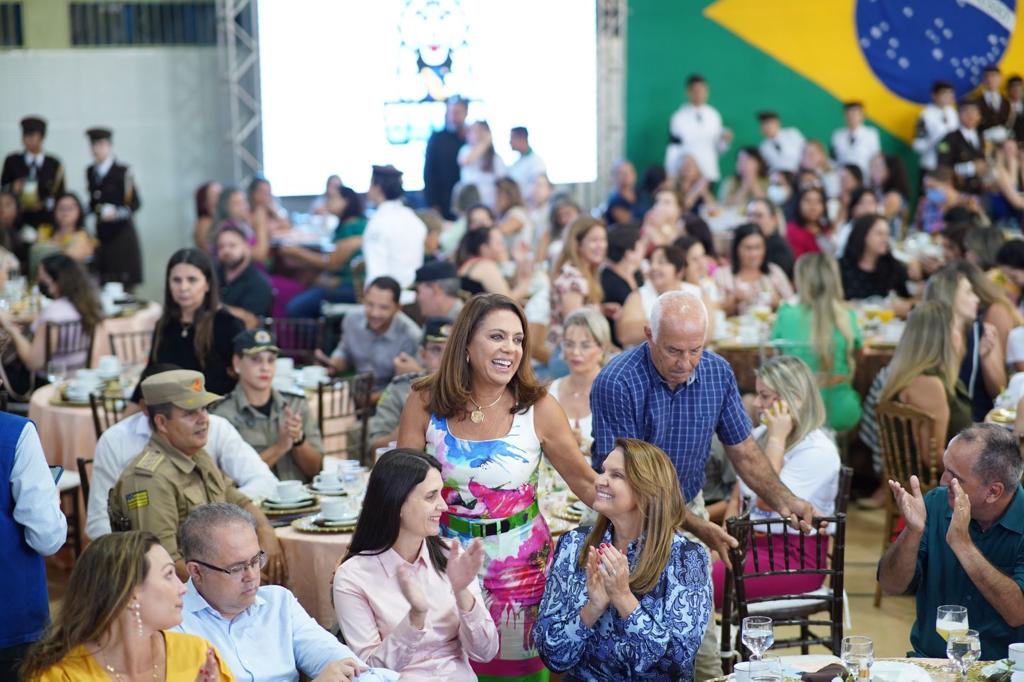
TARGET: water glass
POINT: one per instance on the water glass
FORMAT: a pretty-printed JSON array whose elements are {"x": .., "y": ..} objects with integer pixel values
[
  {"x": 758, "y": 635},
  {"x": 766, "y": 669},
  {"x": 950, "y": 620},
  {"x": 963, "y": 649},
  {"x": 858, "y": 654},
  {"x": 56, "y": 371}
]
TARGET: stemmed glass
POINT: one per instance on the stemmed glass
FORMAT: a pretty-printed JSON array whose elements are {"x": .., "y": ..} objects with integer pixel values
[
  {"x": 963, "y": 648},
  {"x": 758, "y": 635},
  {"x": 951, "y": 619},
  {"x": 858, "y": 653}
]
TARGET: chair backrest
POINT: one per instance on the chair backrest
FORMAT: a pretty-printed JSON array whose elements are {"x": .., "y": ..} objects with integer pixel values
[
  {"x": 85, "y": 474},
  {"x": 106, "y": 411},
  {"x": 131, "y": 348},
  {"x": 909, "y": 444},
  {"x": 298, "y": 338},
  {"x": 843, "y": 491},
  {"x": 67, "y": 339},
  {"x": 764, "y": 551},
  {"x": 344, "y": 407}
]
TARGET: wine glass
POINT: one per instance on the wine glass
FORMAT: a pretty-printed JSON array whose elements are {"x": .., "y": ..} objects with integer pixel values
[
  {"x": 758, "y": 635},
  {"x": 950, "y": 619},
  {"x": 766, "y": 669},
  {"x": 858, "y": 653},
  {"x": 963, "y": 648}
]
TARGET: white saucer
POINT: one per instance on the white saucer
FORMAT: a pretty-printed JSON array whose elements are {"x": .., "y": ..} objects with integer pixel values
[
  {"x": 326, "y": 491},
  {"x": 288, "y": 504},
  {"x": 346, "y": 520}
]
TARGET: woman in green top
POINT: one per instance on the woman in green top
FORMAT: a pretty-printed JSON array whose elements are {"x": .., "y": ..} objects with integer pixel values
[
  {"x": 822, "y": 331},
  {"x": 344, "y": 203}
]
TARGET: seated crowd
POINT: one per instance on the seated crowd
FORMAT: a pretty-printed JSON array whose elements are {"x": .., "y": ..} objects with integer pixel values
[{"x": 516, "y": 345}]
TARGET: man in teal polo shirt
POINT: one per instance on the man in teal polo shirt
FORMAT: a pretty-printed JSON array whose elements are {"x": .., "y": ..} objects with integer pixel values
[{"x": 964, "y": 543}]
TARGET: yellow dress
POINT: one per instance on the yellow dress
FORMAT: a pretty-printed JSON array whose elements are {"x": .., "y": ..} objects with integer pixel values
[{"x": 185, "y": 655}]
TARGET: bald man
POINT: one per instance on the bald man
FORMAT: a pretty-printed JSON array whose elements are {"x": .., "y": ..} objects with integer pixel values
[{"x": 669, "y": 392}]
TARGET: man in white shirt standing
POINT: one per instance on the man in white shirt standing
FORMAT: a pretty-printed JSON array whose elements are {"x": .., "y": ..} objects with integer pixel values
[
  {"x": 781, "y": 148},
  {"x": 529, "y": 166},
  {"x": 31, "y": 527},
  {"x": 696, "y": 130},
  {"x": 856, "y": 143},
  {"x": 937, "y": 120},
  {"x": 393, "y": 242}
]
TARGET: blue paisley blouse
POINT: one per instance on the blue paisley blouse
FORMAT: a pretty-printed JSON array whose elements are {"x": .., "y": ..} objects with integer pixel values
[{"x": 658, "y": 641}]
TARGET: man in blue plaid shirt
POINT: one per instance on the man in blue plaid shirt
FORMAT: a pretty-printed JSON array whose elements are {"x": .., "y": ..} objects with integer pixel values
[{"x": 670, "y": 393}]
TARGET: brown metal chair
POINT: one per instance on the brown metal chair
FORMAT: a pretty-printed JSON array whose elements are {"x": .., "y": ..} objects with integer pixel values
[
  {"x": 106, "y": 411},
  {"x": 909, "y": 448},
  {"x": 298, "y": 338},
  {"x": 64, "y": 339},
  {"x": 792, "y": 609},
  {"x": 344, "y": 407},
  {"x": 131, "y": 348}
]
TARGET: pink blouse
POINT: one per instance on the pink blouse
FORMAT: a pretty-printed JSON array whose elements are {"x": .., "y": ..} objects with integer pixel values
[
  {"x": 374, "y": 617},
  {"x": 773, "y": 282}
]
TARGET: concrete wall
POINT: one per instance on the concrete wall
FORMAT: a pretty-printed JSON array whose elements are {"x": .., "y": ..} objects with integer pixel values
[{"x": 168, "y": 111}]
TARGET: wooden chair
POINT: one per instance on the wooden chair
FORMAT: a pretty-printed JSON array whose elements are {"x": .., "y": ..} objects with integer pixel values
[
  {"x": 298, "y": 338},
  {"x": 64, "y": 339},
  {"x": 909, "y": 448},
  {"x": 106, "y": 411},
  {"x": 69, "y": 486},
  {"x": 85, "y": 474},
  {"x": 792, "y": 609},
  {"x": 131, "y": 348},
  {"x": 344, "y": 407}
]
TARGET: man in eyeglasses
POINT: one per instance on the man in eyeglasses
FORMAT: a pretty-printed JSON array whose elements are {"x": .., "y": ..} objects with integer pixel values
[
  {"x": 174, "y": 474},
  {"x": 262, "y": 633}
]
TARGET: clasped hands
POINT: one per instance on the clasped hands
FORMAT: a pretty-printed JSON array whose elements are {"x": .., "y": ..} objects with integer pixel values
[{"x": 608, "y": 580}]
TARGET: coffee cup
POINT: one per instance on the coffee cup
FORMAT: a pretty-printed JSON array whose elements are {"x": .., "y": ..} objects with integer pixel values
[
  {"x": 313, "y": 375},
  {"x": 333, "y": 508},
  {"x": 326, "y": 480},
  {"x": 114, "y": 289},
  {"x": 110, "y": 365},
  {"x": 284, "y": 366},
  {"x": 287, "y": 491},
  {"x": 1016, "y": 656}
]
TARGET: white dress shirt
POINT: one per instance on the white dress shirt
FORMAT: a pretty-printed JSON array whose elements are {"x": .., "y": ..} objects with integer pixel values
[
  {"x": 36, "y": 502},
  {"x": 856, "y": 147},
  {"x": 783, "y": 152},
  {"x": 393, "y": 243},
  {"x": 933, "y": 124},
  {"x": 271, "y": 641},
  {"x": 699, "y": 130},
  {"x": 525, "y": 171},
  {"x": 34, "y": 160},
  {"x": 101, "y": 170},
  {"x": 126, "y": 439}
]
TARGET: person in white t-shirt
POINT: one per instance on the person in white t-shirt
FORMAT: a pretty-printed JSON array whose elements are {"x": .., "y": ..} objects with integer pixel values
[
  {"x": 529, "y": 166},
  {"x": 855, "y": 143},
  {"x": 807, "y": 462},
  {"x": 393, "y": 242},
  {"x": 481, "y": 166}
]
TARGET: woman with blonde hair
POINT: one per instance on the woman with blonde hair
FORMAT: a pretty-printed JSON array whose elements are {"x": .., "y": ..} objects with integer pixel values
[
  {"x": 982, "y": 369},
  {"x": 822, "y": 330},
  {"x": 576, "y": 278},
  {"x": 806, "y": 461},
  {"x": 628, "y": 598},
  {"x": 923, "y": 371},
  {"x": 122, "y": 599}
]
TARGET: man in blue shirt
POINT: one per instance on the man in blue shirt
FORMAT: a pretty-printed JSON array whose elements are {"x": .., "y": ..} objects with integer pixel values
[
  {"x": 262, "y": 633},
  {"x": 669, "y": 392},
  {"x": 964, "y": 543}
]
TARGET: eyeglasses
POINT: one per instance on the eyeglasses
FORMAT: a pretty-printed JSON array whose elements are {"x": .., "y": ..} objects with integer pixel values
[{"x": 236, "y": 571}]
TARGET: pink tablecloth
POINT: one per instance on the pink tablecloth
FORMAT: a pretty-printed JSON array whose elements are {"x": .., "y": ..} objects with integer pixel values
[
  {"x": 143, "y": 321},
  {"x": 311, "y": 560},
  {"x": 66, "y": 432}
]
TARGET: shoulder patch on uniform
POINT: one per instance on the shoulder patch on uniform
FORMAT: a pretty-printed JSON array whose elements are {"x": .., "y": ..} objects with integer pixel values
[
  {"x": 137, "y": 499},
  {"x": 150, "y": 460}
]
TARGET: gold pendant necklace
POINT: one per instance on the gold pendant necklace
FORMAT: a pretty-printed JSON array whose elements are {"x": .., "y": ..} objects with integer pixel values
[{"x": 477, "y": 415}]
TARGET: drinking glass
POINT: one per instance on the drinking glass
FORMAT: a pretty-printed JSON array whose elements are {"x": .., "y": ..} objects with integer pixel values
[
  {"x": 963, "y": 648},
  {"x": 56, "y": 371},
  {"x": 758, "y": 635},
  {"x": 950, "y": 619},
  {"x": 766, "y": 669},
  {"x": 858, "y": 654},
  {"x": 351, "y": 483}
]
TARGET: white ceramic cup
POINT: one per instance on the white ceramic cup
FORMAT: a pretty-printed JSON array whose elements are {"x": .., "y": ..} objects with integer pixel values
[
  {"x": 289, "y": 490},
  {"x": 284, "y": 366},
  {"x": 114, "y": 289},
  {"x": 110, "y": 365},
  {"x": 313, "y": 375},
  {"x": 327, "y": 480},
  {"x": 1016, "y": 656},
  {"x": 333, "y": 508}
]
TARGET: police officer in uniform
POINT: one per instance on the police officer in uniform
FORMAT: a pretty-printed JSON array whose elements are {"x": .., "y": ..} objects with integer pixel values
[
  {"x": 113, "y": 199},
  {"x": 277, "y": 424},
  {"x": 173, "y": 475},
  {"x": 34, "y": 177}
]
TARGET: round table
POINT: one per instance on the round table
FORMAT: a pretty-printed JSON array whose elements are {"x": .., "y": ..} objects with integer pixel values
[{"x": 66, "y": 432}]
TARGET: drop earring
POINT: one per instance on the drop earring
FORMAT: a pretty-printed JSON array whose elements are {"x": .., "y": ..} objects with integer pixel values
[{"x": 137, "y": 608}]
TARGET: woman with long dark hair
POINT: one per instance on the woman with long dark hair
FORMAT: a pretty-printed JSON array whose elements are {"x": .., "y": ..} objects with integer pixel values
[
  {"x": 194, "y": 331},
  {"x": 811, "y": 228},
  {"x": 751, "y": 279},
  {"x": 122, "y": 599},
  {"x": 868, "y": 267},
  {"x": 66, "y": 235},
  {"x": 487, "y": 419},
  {"x": 207, "y": 198},
  {"x": 400, "y": 578}
]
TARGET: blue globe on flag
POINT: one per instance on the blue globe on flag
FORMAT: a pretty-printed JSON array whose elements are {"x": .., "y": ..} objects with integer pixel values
[{"x": 909, "y": 44}]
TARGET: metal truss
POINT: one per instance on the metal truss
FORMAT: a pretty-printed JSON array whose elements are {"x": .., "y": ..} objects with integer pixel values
[{"x": 238, "y": 47}]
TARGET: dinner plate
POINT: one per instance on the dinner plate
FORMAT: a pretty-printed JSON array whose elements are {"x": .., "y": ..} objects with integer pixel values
[
  {"x": 288, "y": 504},
  {"x": 346, "y": 520},
  {"x": 895, "y": 671}
]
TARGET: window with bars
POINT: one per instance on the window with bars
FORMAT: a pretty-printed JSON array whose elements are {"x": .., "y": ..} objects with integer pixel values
[
  {"x": 143, "y": 23},
  {"x": 11, "y": 33}
]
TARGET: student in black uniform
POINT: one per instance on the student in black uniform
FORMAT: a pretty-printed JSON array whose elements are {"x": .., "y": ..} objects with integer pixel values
[
  {"x": 113, "y": 199},
  {"x": 32, "y": 176},
  {"x": 963, "y": 150}
]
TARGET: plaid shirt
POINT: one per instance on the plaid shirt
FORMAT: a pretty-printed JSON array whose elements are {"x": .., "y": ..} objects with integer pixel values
[{"x": 629, "y": 399}]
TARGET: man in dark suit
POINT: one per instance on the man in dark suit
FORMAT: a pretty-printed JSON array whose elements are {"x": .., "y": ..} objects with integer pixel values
[
  {"x": 440, "y": 164},
  {"x": 34, "y": 177},
  {"x": 1015, "y": 95},
  {"x": 995, "y": 109},
  {"x": 963, "y": 150},
  {"x": 113, "y": 198}
]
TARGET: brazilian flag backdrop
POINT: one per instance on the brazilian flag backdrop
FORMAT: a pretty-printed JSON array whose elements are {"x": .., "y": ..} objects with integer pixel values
[{"x": 803, "y": 58}]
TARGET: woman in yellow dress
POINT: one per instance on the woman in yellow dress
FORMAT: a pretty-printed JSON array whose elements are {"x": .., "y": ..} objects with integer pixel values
[{"x": 122, "y": 599}]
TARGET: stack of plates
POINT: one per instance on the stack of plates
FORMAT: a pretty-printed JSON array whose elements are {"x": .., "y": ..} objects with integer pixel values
[
  {"x": 272, "y": 507},
  {"x": 326, "y": 492},
  {"x": 572, "y": 512},
  {"x": 313, "y": 524}
]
